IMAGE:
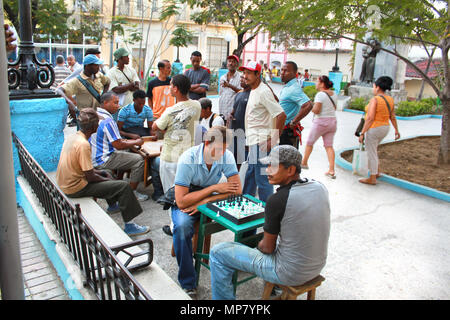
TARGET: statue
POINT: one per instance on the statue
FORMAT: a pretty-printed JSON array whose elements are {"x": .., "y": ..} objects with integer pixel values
[{"x": 368, "y": 67}]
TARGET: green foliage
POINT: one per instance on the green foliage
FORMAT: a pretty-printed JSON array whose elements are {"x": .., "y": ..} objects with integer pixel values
[
  {"x": 359, "y": 103},
  {"x": 414, "y": 108},
  {"x": 48, "y": 17},
  {"x": 246, "y": 17},
  {"x": 419, "y": 22},
  {"x": 310, "y": 91},
  {"x": 181, "y": 37},
  {"x": 122, "y": 27}
]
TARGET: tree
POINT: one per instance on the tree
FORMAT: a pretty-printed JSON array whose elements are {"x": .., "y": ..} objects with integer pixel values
[
  {"x": 422, "y": 22},
  {"x": 181, "y": 37},
  {"x": 48, "y": 17},
  {"x": 246, "y": 17},
  {"x": 128, "y": 32}
]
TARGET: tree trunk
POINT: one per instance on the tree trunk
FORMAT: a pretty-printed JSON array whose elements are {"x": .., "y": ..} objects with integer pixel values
[{"x": 444, "y": 156}]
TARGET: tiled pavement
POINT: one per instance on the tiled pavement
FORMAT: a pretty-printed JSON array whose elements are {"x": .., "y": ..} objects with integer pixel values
[{"x": 40, "y": 278}]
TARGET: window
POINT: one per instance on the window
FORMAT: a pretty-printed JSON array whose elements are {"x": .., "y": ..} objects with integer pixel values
[
  {"x": 124, "y": 8},
  {"x": 216, "y": 52}
]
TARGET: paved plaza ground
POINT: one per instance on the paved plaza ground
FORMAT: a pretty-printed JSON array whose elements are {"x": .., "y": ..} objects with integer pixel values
[{"x": 385, "y": 242}]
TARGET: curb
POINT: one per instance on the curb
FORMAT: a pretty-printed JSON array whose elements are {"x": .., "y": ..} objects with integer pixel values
[
  {"x": 427, "y": 191},
  {"x": 420, "y": 117}
]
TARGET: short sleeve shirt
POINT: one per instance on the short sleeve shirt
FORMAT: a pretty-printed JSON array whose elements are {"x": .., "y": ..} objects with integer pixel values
[
  {"x": 159, "y": 93},
  {"x": 192, "y": 170},
  {"x": 261, "y": 110},
  {"x": 227, "y": 95},
  {"x": 101, "y": 141},
  {"x": 200, "y": 76},
  {"x": 130, "y": 118},
  {"x": 179, "y": 123},
  {"x": 327, "y": 110},
  {"x": 75, "y": 158},
  {"x": 122, "y": 77},
  {"x": 83, "y": 97},
  {"x": 292, "y": 98}
]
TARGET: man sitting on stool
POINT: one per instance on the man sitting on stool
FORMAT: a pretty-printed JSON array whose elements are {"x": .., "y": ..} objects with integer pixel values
[
  {"x": 201, "y": 166},
  {"x": 299, "y": 212},
  {"x": 131, "y": 117},
  {"x": 77, "y": 177},
  {"x": 110, "y": 151},
  {"x": 131, "y": 126}
]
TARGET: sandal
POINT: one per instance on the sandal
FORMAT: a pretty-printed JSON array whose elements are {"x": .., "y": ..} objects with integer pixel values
[
  {"x": 304, "y": 166},
  {"x": 366, "y": 181},
  {"x": 331, "y": 175}
]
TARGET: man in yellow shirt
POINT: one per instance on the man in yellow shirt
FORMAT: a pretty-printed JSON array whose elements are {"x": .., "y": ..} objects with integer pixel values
[{"x": 77, "y": 177}]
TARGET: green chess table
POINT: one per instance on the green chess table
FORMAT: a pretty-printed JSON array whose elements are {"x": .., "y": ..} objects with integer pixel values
[{"x": 211, "y": 223}]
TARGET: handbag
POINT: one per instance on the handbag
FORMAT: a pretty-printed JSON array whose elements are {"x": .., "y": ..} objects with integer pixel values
[
  {"x": 167, "y": 200},
  {"x": 361, "y": 123},
  {"x": 360, "y": 127},
  {"x": 360, "y": 163}
]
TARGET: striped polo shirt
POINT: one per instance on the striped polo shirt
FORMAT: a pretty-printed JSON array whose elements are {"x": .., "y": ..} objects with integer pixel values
[{"x": 101, "y": 141}]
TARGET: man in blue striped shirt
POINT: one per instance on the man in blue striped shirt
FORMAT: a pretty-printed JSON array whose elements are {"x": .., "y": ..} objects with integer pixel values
[{"x": 109, "y": 149}]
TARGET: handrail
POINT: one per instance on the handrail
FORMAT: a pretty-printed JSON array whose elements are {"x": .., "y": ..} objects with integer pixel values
[{"x": 105, "y": 273}]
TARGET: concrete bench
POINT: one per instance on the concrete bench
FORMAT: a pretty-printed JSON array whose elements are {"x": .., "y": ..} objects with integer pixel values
[{"x": 152, "y": 278}]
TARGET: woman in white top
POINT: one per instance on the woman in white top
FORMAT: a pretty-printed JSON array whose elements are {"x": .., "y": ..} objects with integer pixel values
[{"x": 324, "y": 123}]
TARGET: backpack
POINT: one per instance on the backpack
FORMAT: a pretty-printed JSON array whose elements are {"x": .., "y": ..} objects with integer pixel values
[{"x": 214, "y": 115}]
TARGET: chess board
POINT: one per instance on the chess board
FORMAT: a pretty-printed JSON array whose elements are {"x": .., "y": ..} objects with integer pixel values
[{"x": 238, "y": 209}]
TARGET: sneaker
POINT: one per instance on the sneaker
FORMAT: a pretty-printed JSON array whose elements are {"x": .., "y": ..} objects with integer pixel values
[
  {"x": 156, "y": 196},
  {"x": 166, "y": 230},
  {"x": 140, "y": 196},
  {"x": 191, "y": 293},
  {"x": 133, "y": 229},
  {"x": 113, "y": 208}
]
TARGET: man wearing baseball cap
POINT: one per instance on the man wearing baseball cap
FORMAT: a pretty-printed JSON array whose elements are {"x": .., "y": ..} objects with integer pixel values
[
  {"x": 297, "y": 215},
  {"x": 264, "y": 121},
  {"x": 124, "y": 79},
  {"x": 86, "y": 87},
  {"x": 230, "y": 84}
]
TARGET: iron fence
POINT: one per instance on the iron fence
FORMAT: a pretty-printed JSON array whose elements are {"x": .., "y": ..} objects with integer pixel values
[{"x": 105, "y": 273}]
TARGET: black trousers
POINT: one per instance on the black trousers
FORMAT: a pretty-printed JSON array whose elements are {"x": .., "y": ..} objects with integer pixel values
[{"x": 113, "y": 191}]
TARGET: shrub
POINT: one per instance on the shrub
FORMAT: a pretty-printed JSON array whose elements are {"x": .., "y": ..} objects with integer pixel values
[
  {"x": 310, "y": 91},
  {"x": 359, "y": 103},
  {"x": 414, "y": 108}
]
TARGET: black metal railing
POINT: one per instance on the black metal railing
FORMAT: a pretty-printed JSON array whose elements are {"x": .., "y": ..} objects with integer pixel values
[{"x": 105, "y": 273}]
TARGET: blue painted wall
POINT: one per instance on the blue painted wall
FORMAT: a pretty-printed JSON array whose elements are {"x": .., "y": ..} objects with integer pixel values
[{"x": 39, "y": 124}]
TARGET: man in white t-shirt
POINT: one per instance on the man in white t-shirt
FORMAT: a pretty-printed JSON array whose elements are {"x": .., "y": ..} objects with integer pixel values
[
  {"x": 208, "y": 119},
  {"x": 124, "y": 79},
  {"x": 178, "y": 124},
  {"x": 264, "y": 122}
]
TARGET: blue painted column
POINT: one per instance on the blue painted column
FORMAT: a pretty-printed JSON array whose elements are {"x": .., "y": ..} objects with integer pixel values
[
  {"x": 336, "y": 77},
  {"x": 39, "y": 124},
  {"x": 177, "y": 68},
  {"x": 220, "y": 74}
]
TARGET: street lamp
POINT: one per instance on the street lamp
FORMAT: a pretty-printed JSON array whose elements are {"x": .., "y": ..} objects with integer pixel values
[
  {"x": 336, "y": 68},
  {"x": 28, "y": 77},
  {"x": 228, "y": 37}
]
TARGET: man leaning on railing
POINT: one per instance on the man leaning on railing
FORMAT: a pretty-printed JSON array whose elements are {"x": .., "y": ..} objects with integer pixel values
[{"x": 77, "y": 177}]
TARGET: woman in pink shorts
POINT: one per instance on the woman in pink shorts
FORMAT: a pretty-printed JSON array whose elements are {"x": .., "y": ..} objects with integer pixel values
[{"x": 324, "y": 123}]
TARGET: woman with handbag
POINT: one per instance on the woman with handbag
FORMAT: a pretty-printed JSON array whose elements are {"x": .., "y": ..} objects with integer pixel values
[
  {"x": 376, "y": 127},
  {"x": 324, "y": 123}
]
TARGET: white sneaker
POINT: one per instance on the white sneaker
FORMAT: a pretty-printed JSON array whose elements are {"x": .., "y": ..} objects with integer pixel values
[{"x": 140, "y": 196}]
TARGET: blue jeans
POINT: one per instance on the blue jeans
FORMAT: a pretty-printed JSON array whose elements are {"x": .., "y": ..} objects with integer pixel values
[
  {"x": 256, "y": 176},
  {"x": 227, "y": 257},
  {"x": 183, "y": 231}
]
